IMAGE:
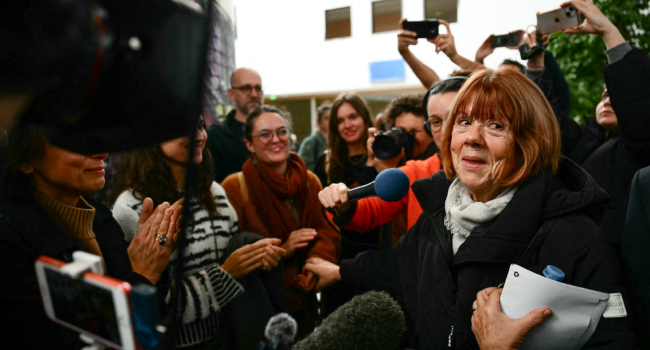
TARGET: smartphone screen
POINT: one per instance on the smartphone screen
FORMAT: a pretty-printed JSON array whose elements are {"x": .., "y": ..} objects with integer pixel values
[
  {"x": 84, "y": 306},
  {"x": 95, "y": 305}
]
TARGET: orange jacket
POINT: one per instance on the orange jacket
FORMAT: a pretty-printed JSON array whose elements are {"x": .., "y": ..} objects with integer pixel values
[{"x": 373, "y": 211}]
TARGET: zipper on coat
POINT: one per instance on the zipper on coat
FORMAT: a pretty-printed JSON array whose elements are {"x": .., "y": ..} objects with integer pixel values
[{"x": 450, "y": 340}]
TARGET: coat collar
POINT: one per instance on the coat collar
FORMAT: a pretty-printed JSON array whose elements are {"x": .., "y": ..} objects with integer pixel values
[
  {"x": 36, "y": 229},
  {"x": 543, "y": 197}
]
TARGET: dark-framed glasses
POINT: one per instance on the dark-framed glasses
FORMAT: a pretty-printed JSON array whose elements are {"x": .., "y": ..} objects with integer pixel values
[
  {"x": 267, "y": 135},
  {"x": 432, "y": 125},
  {"x": 248, "y": 89}
]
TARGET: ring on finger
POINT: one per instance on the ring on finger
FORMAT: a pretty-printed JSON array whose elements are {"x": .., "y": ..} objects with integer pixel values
[{"x": 161, "y": 239}]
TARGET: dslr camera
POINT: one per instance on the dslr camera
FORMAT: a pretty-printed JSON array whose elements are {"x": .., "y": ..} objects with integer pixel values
[{"x": 389, "y": 143}]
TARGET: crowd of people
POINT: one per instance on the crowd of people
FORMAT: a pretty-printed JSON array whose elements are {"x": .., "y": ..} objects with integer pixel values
[{"x": 499, "y": 173}]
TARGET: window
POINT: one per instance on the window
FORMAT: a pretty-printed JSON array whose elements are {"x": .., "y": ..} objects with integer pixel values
[
  {"x": 386, "y": 15},
  {"x": 337, "y": 23},
  {"x": 441, "y": 9}
]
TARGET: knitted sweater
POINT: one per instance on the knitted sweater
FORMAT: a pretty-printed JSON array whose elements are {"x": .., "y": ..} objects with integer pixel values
[{"x": 205, "y": 288}]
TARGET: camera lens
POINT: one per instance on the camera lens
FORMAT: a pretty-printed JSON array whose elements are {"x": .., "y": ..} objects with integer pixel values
[
  {"x": 569, "y": 11},
  {"x": 388, "y": 145}
]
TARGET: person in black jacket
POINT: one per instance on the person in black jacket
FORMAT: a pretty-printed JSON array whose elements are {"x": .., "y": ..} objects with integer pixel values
[
  {"x": 615, "y": 143},
  {"x": 43, "y": 211},
  {"x": 635, "y": 245},
  {"x": 503, "y": 180}
]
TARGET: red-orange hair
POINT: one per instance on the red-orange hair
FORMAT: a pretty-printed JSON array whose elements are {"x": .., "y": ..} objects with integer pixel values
[{"x": 507, "y": 95}]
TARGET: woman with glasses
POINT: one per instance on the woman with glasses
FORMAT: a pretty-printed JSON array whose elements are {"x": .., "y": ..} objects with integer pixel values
[
  {"x": 276, "y": 196},
  {"x": 225, "y": 301}
]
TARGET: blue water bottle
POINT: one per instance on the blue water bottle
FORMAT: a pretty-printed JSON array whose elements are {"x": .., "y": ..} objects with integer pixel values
[{"x": 552, "y": 272}]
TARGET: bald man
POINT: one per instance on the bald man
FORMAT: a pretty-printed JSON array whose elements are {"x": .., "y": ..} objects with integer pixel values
[{"x": 226, "y": 139}]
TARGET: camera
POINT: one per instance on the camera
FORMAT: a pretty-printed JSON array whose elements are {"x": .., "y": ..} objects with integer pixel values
[
  {"x": 388, "y": 144},
  {"x": 511, "y": 39},
  {"x": 569, "y": 11},
  {"x": 527, "y": 52}
]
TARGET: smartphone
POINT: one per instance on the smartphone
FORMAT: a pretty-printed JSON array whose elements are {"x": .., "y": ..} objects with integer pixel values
[
  {"x": 511, "y": 39},
  {"x": 94, "y": 305},
  {"x": 557, "y": 20},
  {"x": 427, "y": 29}
]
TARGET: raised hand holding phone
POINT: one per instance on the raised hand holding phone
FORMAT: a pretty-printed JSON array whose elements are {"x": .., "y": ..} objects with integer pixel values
[
  {"x": 595, "y": 23},
  {"x": 445, "y": 42},
  {"x": 151, "y": 248}
]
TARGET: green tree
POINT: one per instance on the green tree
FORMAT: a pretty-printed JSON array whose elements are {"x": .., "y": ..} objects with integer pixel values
[{"x": 582, "y": 56}]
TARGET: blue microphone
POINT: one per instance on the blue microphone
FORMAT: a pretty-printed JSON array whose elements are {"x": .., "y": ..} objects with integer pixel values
[{"x": 390, "y": 185}]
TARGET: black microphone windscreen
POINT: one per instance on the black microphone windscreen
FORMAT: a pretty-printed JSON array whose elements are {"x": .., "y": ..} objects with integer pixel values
[{"x": 369, "y": 321}]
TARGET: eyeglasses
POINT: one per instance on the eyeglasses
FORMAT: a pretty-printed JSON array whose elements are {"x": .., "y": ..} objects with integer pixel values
[
  {"x": 247, "y": 89},
  {"x": 266, "y": 136},
  {"x": 436, "y": 124}
]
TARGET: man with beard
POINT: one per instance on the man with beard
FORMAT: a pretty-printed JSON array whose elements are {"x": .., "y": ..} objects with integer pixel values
[{"x": 226, "y": 139}]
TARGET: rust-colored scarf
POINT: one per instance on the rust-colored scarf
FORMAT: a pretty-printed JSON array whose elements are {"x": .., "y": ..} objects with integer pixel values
[{"x": 269, "y": 191}]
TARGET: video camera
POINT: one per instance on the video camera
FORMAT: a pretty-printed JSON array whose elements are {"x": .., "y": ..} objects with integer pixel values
[{"x": 388, "y": 144}]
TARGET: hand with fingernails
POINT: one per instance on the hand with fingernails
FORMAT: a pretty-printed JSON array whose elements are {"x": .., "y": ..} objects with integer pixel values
[
  {"x": 595, "y": 23},
  {"x": 298, "y": 239},
  {"x": 493, "y": 329},
  {"x": 264, "y": 254},
  {"x": 157, "y": 233},
  {"x": 327, "y": 272},
  {"x": 445, "y": 42},
  {"x": 405, "y": 38}
]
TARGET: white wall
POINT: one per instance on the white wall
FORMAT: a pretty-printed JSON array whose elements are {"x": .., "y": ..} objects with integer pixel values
[{"x": 285, "y": 41}]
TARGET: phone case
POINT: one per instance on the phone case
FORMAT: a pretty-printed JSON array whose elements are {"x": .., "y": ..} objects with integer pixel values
[
  {"x": 557, "y": 20},
  {"x": 424, "y": 29},
  {"x": 511, "y": 39},
  {"x": 87, "y": 305}
]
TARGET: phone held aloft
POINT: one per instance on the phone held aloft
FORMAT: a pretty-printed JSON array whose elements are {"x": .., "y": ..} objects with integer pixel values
[
  {"x": 427, "y": 29},
  {"x": 557, "y": 20},
  {"x": 511, "y": 39}
]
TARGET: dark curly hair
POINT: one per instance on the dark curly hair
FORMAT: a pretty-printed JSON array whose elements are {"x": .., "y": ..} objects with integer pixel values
[
  {"x": 407, "y": 103},
  {"x": 145, "y": 172}
]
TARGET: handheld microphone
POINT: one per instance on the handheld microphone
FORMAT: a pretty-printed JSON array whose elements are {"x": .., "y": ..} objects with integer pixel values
[
  {"x": 390, "y": 185},
  {"x": 369, "y": 321},
  {"x": 280, "y": 331}
]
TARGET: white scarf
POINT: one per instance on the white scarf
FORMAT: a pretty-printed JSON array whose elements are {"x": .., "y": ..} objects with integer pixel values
[{"x": 463, "y": 214}]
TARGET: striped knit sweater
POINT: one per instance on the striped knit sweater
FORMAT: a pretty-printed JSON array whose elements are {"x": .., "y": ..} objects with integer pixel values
[{"x": 205, "y": 287}]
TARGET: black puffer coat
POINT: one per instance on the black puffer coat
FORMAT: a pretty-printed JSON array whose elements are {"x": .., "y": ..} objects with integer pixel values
[
  {"x": 440, "y": 294},
  {"x": 611, "y": 158}
]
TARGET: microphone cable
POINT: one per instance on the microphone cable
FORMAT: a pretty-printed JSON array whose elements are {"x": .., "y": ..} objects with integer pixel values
[{"x": 345, "y": 236}]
